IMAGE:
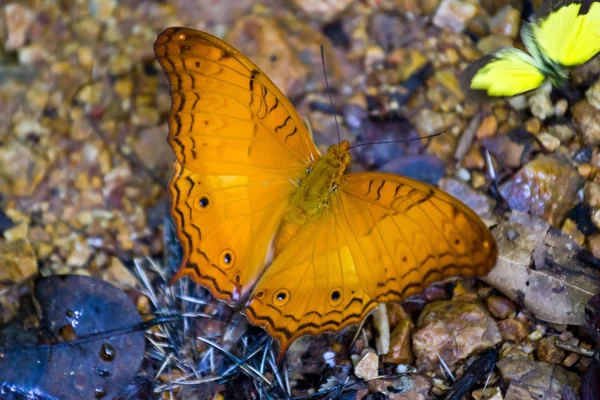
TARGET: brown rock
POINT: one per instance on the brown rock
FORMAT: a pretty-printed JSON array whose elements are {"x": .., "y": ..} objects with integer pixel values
[
  {"x": 400, "y": 345},
  {"x": 500, "y": 306},
  {"x": 533, "y": 125},
  {"x": 545, "y": 187},
  {"x": 593, "y": 94},
  {"x": 488, "y": 127},
  {"x": 587, "y": 121},
  {"x": 17, "y": 262},
  {"x": 506, "y": 22},
  {"x": 477, "y": 201},
  {"x": 409, "y": 387},
  {"x": 322, "y": 10},
  {"x": 591, "y": 194},
  {"x": 547, "y": 351},
  {"x": 570, "y": 228},
  {"x": 516, "y": 392},
  {"x": 452, "y": 330},
  {"x": 538, "y": 379},
  {"x": 454, "y": 14},
  {"x": 18, "y": 25},
  {"x": 367, "y": 365},
  {"x": 594, "y": 244},
  {"x": 540, "y": 103},
  {"x": 513, "y": 330}
]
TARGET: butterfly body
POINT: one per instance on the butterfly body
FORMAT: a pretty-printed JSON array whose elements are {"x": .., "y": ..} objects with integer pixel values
[
  {"x": 264, "y": 218},
  {"x": 312, "y": 196}
]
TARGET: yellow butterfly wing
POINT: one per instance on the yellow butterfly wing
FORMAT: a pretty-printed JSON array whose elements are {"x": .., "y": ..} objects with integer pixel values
[
  {"x": 568, "y": 32},
  {"x": 505, "y": 72},
  {"x": 383, "y": 238},
  {"x": 240, "y": 147}
]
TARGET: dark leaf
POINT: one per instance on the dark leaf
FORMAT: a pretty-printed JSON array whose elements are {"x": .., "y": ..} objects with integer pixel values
[{"x": 86, "y": 346}]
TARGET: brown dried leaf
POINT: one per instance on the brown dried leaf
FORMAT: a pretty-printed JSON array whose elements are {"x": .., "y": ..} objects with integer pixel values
[{"x": 543, "y": 270}]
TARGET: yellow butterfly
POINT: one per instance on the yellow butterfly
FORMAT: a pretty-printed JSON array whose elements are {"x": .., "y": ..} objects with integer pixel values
[
  {"x": 563, "y": 34},
  {"x": 262, "y": 216}
]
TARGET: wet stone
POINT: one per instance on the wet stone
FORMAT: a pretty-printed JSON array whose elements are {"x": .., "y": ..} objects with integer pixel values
[{"x": 545, "y": 187}]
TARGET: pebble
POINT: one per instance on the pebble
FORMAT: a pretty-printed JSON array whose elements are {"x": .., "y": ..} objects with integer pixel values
[
  {"x": 488, "y": 127},
  {"x": 593, "y": 94},
  {"x": 454, "y": 14},
  {"x": 547, "y": 351},
  {"x": 546, "y": 187},
  {"x": 366, "y": 366},
  {"x": 591, "y": 194},
  {"x": 322, "y": 10},
  {"x": 400, "y": 343},
  {"x": 540, "y": 103},
  {"x": 594, "y": 244},
  {"x": 513, "y": 330},
  {"x": 500, "y": 307},
  {"x": 19, "y": 20},
  {"x": 564, "y": 133},
  {"x": 570, "y": 228},
  {"x": 452, "y": 330},
  {"x": 506, "y": 22},
  {"x": 587, "y": 121},
  {"x": 550, "y": 142}
]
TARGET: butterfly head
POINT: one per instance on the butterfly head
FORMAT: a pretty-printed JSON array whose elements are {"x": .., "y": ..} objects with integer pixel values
[{"x": 340, "y": 153}]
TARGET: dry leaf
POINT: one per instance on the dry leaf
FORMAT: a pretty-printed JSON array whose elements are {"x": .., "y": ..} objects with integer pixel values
[{"x": 543, "y": 270}]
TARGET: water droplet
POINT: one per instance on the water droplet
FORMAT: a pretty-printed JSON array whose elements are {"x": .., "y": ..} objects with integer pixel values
[{"x": 107, "y": 352}]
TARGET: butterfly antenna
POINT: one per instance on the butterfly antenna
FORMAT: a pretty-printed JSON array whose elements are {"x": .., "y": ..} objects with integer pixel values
[
  {"x": 337, "y": 126},
  {"x": 400, "y": 140}
]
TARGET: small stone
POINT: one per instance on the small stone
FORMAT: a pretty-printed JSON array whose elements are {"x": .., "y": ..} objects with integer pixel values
[
  {"x": 550, "y": 142},
  {"x": 18, "y": 25},
  {"x": 500, "y": 307},
  {"x": 591, "y": 194},
  {"x": 571, "y": 359},
  {"x": 463, "y": 174},
  {"x": 533, "y": 125},
  {"x": 593, "y": 94},
  {"x": 102, "y": 9},
  {"x": 564, "y": 133},
  {"x": 119, "y": 275},
  {"x": 17, "y": 262},
  {"x": 560, "y": 108},
  {"x": 540, "y": 103},
  {"x": 513, "y": 330},
  {"x": 596, "y": 218},
  {"x": 400, "y": 344},
  {"x": 323, "y": 10},
  {"x": 477, "y": 201},
  {"x": 570, "y": 228},
  {"x": 80, "y": 254},
  {"x": 594, "y": 244},
  {"x": 477, "y": 180},
  {"x": 454, "y": 14},
  {"x": 536, "y": 379},
  {"x": 545, "y": 187},
  {"x": 488, "y": 127},
  {"x": 367, "y": 366},
  {"x": 547, "y": 351},
  {"x": 519, "y": 103},
  {"x": 492, "y": 43},
  {"x": 587, "y": 121},
  {"x": 452, "y": 330},
  {"x": 506, "y": 22}
]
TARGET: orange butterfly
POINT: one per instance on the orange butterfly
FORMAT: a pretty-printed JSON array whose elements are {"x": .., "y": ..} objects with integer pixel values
[{"x": 250, "y": 189}]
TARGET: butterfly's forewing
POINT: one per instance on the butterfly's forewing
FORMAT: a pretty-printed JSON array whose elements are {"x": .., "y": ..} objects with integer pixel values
[
  {"x": 383, "y": 238},
  {"x": 568, "y": 32},
  {"x": 505, "y": 72},
  {"x": 240, "y": 146}
]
